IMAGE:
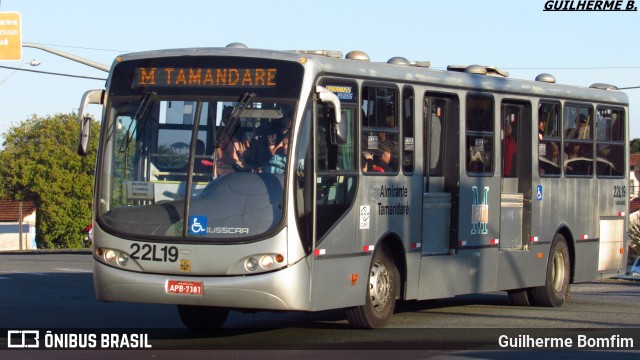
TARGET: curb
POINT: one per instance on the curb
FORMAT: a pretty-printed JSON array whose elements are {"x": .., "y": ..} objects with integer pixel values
[{"x": 47, "y": 251}]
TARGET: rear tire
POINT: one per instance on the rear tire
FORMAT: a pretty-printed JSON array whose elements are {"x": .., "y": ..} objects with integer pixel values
[
  {"x": 382, "y": 289},
  {"x": 520, "y": 297},
  {"x": 201, "y": 318},
  {"x": 556, "y": 287}
]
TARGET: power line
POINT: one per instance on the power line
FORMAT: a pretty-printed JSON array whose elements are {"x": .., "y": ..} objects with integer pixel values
[
  {"x": 84, "y": 48},
  {"x": 574, "y": 68},
  {"x": 52, "y": 73},
  {"x": 506, "y": 68}
]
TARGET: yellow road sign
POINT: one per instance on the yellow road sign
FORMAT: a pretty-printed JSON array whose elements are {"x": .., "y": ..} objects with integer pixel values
[{"x": 10, "y": 36}]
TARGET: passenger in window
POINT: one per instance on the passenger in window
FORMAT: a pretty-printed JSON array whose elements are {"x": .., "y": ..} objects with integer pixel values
[
  {"x": 510, "y": 151},
  {"x": 382, "y": 160},
  {"x": 577, "y": 162},
  {"x": 231, "y": 158},
  {"x": 202, "y": 164},
  {"x": 581, "y": 129},
  {"x": 279, "y": 132},
  {"x": 480, "y": 154},
  {"x": 550, "y": 162},
  {"x": 609, "y": 160},
  {"x": 541, "y": 127},
  {"x": 554, "y": 156},
  {"x": 367, "y": 161},
  {"x": 278, "y": 162},
  {"x": 615, "y": 128},
  {"x": 269, "y": 140},
  {"x": 476, "y": 161}
]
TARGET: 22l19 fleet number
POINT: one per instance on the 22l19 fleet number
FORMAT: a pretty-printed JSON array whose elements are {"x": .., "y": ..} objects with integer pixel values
[{"x": 149, "y": 252}]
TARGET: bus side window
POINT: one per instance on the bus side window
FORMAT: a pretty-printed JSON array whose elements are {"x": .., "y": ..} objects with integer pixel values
[
  {"x": 380, "y": 131},
  {"x": 436, "y": 133},
  {"x": 610, "y": 142},
  {"x": 480, "y": 135},
  {"x": 578, "y": 140},
  {"x": 549, "y": 143},
  {"x": 408, "y": 142}
]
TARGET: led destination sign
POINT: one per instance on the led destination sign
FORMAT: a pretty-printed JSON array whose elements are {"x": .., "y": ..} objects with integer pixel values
[{"x": 204, "y": 77}]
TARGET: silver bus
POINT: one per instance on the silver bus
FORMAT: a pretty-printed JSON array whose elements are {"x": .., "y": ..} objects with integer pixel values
[{"x": 245, "y": 179}]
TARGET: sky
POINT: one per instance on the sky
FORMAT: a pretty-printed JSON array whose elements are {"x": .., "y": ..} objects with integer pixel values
[{"x": 577, "y": 47}]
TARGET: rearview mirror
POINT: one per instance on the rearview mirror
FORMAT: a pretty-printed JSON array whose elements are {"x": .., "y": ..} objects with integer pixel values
[
  {"x": 340, "y": 131},
  {"x": 85, "y": 136},
  {"x": 89, "y": 97},
  {"x": 339, "y": 128}
]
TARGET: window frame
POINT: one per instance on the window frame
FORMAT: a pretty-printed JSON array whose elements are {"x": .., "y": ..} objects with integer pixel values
[
  {"x": 612, "y": 142},
  {"x": 407, "y": 158},
  {"x": 547, "y": 139},
  {"x": 394, "y": 131},
  {"x": 489, "y": 133},
  {"x": 566, "y": 142}
]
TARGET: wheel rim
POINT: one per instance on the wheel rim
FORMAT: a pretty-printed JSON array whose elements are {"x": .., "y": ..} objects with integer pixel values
[
  {"x": 558, "y": 271},
  {"x": 379, "y": 286}
]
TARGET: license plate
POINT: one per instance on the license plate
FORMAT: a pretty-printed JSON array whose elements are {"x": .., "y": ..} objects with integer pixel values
[{"x": 184, "y": 287}]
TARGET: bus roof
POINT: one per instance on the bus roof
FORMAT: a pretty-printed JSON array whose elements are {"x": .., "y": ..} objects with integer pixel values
[{"x": 397, "y": 69}]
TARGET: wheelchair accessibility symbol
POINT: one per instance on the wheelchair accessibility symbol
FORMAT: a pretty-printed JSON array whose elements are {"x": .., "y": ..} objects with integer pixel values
[{"x": 197, "y": 225}]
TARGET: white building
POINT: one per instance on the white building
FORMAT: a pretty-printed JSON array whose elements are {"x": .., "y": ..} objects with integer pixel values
[{"x": 14, "y": 217}]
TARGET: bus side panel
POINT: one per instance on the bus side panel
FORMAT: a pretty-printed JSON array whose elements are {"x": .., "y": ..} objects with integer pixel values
[
  {"x": 339, "y": 282},
  {"x": 438, "y": 276},
  {"x": 471, "y": 271},
  {"x": 412, "y": 282},
  {"x": 586, "y": 262},
  {"x": 574, "y": 208},
  {"x": 612, "y": 254},
  {"x": 612, "y": 250},
  {"x": 521, "y": 269}
]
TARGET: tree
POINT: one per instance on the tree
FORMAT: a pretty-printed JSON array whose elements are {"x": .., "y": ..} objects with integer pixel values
[
  {"x": 39, "y": 163},
  {"x": 635, "y": 146}
]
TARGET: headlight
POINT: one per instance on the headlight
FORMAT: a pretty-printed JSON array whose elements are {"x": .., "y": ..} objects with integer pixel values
[
  {"x": 262, "y": 262},
  {"x": 251, "y": 264},
  {"x": 110, "y": 255},
  {"x": 122, "y": 259},
  {"x": 266, "y": 261}
]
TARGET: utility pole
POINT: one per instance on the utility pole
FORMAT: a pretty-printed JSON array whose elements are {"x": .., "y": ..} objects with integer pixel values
[
  {"x": 72, "y": 57},
  {"x": 20, "y": 223}
]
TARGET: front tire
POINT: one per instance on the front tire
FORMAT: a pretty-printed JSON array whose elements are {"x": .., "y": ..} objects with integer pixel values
[
  {"x": 202, "y": 318},
  {"x": 382, "y": 288},
  {"x": 556, "y": 287}
]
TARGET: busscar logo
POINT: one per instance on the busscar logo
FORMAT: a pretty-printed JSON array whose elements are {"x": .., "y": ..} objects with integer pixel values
[{"x": 590, "y": 5}]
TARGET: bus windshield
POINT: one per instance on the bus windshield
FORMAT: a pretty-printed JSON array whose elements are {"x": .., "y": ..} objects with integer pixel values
[{"x": 194, "y": 163}]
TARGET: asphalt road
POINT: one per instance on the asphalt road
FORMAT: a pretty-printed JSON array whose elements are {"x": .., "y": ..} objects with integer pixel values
[{"x": 55, "y": 291}]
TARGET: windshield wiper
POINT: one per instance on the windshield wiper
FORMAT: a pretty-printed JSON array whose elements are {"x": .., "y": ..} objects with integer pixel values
[
  {"x": 230, "y": 127},
  {"x": 142, "y": 109}
]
